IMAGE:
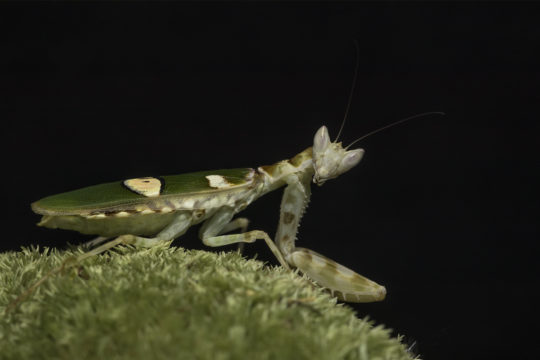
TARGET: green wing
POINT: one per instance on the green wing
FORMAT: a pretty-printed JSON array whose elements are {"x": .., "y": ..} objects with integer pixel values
[{"x": 116, "y": 194}]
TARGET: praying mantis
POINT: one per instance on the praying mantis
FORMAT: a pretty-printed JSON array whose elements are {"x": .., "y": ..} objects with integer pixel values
[{"x": 148, "y": 211}]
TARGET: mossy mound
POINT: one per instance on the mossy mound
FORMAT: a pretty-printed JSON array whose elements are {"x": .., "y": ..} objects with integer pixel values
[{"x": 172, "y": 303}]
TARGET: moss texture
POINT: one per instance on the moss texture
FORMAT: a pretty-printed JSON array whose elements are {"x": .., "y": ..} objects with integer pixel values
[{"x": 172, "y": 303}]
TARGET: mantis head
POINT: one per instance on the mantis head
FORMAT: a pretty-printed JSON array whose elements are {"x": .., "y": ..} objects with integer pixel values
[{"x": 330, "y": 159}]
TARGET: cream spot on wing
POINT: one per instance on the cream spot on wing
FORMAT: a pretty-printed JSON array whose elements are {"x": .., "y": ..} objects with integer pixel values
[
  {"x": 147, "y": 186},
  {"x": 166, "y": 209},
  {"x": 147, "y": 211},
  {"x": 96, "y": 216},
  {"x": 122, "y": 214},
  {"x": 187, "y": 204},
  {"x": 250, "y": 175},
  {"x": 218, "y": 182}
]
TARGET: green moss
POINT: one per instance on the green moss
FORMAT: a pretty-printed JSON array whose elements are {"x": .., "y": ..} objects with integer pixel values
[{"x": 171, "y": 303}]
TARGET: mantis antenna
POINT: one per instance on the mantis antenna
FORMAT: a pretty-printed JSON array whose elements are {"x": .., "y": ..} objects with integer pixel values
[
  {"x": 394, "y": 124},
  {"x": 353, "y": 86},
  {"x": 355, "y": 77}
]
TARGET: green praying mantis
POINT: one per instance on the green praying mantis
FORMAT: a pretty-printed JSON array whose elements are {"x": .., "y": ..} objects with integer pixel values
[
  {"x": 150, "y": 210},
  {"x": 146, "y": 211}
]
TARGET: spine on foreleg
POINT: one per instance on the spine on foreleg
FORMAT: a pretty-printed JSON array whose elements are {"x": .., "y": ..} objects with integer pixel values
[
  {"x": 293, "y": 204},
  {"x": 342, "y": 282}
]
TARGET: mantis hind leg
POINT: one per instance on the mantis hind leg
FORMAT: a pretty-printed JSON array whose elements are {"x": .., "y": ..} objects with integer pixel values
[
  {"x": 221, "y": 222},
  {"x": 176, "y": 228},
  {"x": 95, "y": 242},
  {"x": 237, "y": 224}
]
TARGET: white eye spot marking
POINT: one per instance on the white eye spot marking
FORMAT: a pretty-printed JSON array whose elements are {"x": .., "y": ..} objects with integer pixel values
[
  {"x": 147, "y": 186},
  {"x": 218, "y": 182}
]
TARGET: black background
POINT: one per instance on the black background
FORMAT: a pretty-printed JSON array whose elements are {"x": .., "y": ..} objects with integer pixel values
[{"x": 442, "y": 210}]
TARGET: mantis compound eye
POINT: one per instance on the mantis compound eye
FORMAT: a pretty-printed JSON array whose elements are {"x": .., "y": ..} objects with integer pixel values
[
  {"x": 350, "y": 160},
  {"x": 321, "y": 141}
]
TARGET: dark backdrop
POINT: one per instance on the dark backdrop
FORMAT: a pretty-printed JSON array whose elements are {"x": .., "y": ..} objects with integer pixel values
[{"x": 442, "y": 210}]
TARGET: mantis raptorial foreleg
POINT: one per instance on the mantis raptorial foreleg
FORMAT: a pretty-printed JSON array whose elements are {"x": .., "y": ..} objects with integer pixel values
[
  {"x": 340, "y": 280},
  {"x": 293, "y": 203}
]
